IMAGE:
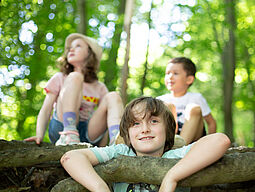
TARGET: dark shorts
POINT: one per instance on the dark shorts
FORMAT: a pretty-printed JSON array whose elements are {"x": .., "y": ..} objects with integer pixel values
[
  {"x": 56, "y": 126},
  {"x": 180, "y": 128}
]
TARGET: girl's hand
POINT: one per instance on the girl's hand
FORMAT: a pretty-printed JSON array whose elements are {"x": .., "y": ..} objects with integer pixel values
[{"x": 34, "y": 138}]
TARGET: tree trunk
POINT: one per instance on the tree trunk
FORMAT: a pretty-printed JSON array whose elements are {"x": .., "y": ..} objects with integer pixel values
[
  {"x": 147, "y": 51},
  {"x": 229, "y": 62},
  {"x": 23, "y": 163},
  {"x": 234, "y": 167},
  {"x": 125, "y": 70},
  {"x": 110, "y": 66},
  {"x": 81, "y": 7}
]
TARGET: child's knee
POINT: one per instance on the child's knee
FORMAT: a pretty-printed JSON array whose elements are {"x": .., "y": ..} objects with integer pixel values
[
  {"x": 65, "y": 158},
  {"x": 112, "y": 97},
  {"x": 74, "y": 77},
  {"x": 222, "y": 139},
  {"x": 193, "y": 110}
]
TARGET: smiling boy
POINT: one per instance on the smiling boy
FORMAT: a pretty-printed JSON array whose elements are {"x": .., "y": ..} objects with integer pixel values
[{"x": 148, "y": 128}]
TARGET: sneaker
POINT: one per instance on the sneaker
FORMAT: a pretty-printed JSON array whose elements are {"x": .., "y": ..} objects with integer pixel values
[
  {"x": 68, "y": 138},
  {"x": 113, "y": 141}
]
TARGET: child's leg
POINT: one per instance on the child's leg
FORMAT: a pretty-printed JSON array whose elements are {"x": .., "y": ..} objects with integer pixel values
[
  {"x": 108, "y": 115},
  {"x": 68, "y": 105},
  {"x": 192, "y": 128}
]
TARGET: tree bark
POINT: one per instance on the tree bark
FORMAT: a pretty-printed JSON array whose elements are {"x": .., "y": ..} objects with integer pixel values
[
  {"x": 233, "y": 167},
  {"x": 81, "y": 7},
  {"x": 237, "y": 165},
  {"x": 22, "y": 154},
  {"x": 143, "y": 83},
  {"x": 125, "y": 70},
  {"x": 229, "y": 62},
  {"x": 110, "y": 66}
]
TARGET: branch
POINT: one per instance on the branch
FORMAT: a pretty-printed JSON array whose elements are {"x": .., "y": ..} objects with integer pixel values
[
  {"x": 231, "y": 168},
  {"x": 22, "y": 154}
]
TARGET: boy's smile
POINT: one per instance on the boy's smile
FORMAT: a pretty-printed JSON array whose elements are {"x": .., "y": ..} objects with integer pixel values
[{"x": 148, "y": 133}]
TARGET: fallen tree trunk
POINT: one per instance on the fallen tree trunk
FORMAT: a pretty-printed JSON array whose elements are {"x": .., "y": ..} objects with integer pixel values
[
  {"x": 237, "y": 165},
  {"x": 21, "y": 154}
]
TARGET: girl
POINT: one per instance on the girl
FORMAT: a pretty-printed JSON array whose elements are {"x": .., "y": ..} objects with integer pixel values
[
  {"x": 74, "y": 93},
  {"x": 148, "y": 129}
]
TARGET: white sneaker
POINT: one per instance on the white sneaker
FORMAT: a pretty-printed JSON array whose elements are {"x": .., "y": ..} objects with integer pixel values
[{"x": 68, "y": 138}]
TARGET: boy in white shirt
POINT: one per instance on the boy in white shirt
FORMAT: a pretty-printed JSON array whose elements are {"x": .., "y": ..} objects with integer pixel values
[{"x": 191, "y": 108}]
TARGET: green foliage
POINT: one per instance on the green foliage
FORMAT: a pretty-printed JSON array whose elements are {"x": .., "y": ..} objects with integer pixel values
[{"x": 27, "y": 64}]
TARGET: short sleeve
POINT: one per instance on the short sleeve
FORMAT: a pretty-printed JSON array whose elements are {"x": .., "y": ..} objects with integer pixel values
[
  {"x": 104, "y": 154},
  {"x": 204, "y": 105},
  {"x": 177, "y": 153},
  {"x": 55, "y": 83}
]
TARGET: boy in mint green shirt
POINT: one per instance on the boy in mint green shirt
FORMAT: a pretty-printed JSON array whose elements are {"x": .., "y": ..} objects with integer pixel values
[{"x": 148, "y": 129}]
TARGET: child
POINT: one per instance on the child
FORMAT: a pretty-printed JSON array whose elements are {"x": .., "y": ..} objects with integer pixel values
[
  {"x": 74, "y": 93},
  {"x": 148, "y": 128},
  {"x": 191, "y": 108}
]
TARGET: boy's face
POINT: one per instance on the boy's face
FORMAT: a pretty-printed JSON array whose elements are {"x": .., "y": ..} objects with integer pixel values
[
  {"x": 176, "y": 79},
  {"x": 147, "y": 134},
  {"x": 77, "y": 53}
]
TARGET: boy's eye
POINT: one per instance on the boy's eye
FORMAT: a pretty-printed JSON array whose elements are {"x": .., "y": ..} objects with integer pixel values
[
  {"x": 154, "y": 121},
  {"x": 136, "y": 123}
]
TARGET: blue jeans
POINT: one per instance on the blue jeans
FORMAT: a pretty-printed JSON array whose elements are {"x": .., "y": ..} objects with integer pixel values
[{"x": 56, "y": 126}]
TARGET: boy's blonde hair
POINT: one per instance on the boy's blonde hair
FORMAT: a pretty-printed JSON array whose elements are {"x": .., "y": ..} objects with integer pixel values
[{"x": 152, "y": 107}]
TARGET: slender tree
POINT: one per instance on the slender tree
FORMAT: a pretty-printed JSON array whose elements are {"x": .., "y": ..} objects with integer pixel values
[
  {"x": 125, "y": 69},
  {"x": 81, "y": 7},
  {"x": 229, "y": 64},
  {"x": 147, "y": 51}
]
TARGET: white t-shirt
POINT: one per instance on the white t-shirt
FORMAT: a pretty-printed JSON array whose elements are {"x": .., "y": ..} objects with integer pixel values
[{"x": 181, "y": 103}]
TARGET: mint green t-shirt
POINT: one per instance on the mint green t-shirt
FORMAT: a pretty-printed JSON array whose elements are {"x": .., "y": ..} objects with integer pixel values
[{"x": 104, "y": 154}]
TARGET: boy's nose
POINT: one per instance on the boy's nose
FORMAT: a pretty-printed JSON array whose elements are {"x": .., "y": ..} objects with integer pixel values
[
  {"x": 145, "y": 128},
  {"x": 170, "y": 76}
]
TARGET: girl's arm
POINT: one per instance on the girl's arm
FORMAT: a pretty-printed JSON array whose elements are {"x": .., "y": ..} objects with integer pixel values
[
  {"x": 204, "y": 152},
  {"x": 79, "y": 164},
  {"x": 43, "y": 118}
]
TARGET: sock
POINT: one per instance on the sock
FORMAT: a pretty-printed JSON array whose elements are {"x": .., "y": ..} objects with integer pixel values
[
  {"x": 69, "y": 121},
  {"x": 113, "y": 131}
]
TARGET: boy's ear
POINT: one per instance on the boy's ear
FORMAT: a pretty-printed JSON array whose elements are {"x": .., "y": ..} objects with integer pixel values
[{"x": 190, "y": 79}]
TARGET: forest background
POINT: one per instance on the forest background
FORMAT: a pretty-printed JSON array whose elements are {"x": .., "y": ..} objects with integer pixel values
[{"x": 217, "y": 35}]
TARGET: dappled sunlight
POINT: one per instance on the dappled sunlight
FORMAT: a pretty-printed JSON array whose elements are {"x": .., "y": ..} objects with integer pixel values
[
  {"x": 241, "y": 75},
  {"x": 8, "y": 133},
  {"x": 32, "y": 35},
  {"x": 204, "y": 77}
]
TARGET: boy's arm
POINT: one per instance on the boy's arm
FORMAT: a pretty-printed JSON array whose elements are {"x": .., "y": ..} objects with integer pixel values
[
  {"x": 79, "y": 164},
  {"x": 172, "y": 108},
  {"x": 204, "y": 152},
  {"x": 211, "y": 123}
]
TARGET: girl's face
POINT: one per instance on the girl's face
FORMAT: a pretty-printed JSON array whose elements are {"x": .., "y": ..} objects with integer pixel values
[
  {"x": 177, "y": 80},
  {"x": 77, "y": 53},
  {"x": 148, "y": 134}
]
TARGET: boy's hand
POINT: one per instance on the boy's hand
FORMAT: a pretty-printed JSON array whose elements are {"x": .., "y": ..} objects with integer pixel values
[
  {"x": 167, "y": 185},
  {"x": 34, "y": 138}
]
